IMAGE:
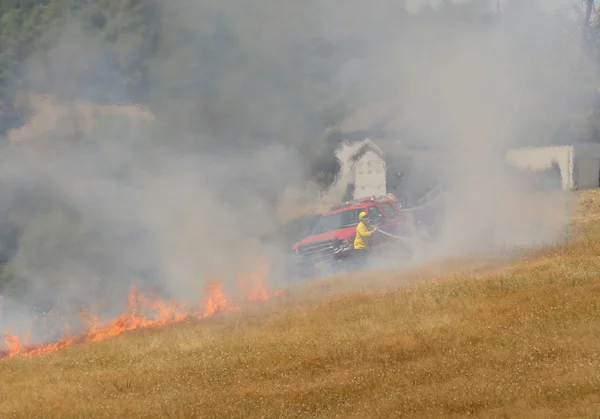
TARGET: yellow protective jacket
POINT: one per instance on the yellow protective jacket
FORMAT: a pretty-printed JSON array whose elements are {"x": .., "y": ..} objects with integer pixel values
[{"x": 361, "y": 233}]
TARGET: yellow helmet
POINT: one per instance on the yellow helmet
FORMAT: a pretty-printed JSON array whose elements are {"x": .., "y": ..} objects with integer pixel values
[{"x": 362, "y": 215}]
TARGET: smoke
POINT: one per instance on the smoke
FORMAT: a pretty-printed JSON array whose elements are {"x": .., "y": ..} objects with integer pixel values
[
  {"x": 471, "y": 86},
  {"x": 238, "y": 95}
]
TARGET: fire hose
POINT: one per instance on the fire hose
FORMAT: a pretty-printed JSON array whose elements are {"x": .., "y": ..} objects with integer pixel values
[
  {"x": 403, "y": 238},
  {"x": 395, "y": 237},
  {"x": 426, "y": 204}
]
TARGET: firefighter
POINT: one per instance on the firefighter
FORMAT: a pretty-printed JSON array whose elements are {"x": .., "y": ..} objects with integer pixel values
[{"x": 361, "y": 241}]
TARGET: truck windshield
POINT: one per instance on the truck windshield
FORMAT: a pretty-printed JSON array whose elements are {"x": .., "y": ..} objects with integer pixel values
[{"x": 338, "y": 220}]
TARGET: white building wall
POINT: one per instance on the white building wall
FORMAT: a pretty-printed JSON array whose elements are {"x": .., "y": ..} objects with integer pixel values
[
  {"x": 369, "y": 176},
  {"x": 541, "y": 158},
  {"x": 579, "y": 163},
  {"x": 345, "y": 176},
  {"x": 347, "y": 173}
]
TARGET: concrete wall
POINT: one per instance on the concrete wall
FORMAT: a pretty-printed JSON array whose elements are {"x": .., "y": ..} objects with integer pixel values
[
  {"x": 579, "y": 163},
  {"x": 541, "y": 158},
  {"x": 369, "y": 176}
]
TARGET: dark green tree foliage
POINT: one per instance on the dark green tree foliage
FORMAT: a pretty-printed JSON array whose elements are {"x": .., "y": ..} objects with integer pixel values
[
  {"x": 184, "y": 59},
  {"x": 35, "y": 51},
  {"x": 125, "y": 34}
]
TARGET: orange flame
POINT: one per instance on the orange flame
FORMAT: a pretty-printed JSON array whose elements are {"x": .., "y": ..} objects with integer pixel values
[
  {"x": 143, "y": 312},
  {"x": 215, "y": 300},
  {"x": 13, "y": 343},
  {"x": 253, "y": 285}
]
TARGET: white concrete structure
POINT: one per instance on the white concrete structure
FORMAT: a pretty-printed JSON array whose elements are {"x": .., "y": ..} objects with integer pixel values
[
  {"x": 579, "y": 163},
  {"x": 362, "y": 164},
  {"x": 369, "y": 172}
]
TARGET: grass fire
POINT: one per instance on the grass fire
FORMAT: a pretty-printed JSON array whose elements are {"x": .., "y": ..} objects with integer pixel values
[
  {"x": 299, "y": 209},
  {"x": 148, "y": 311},
  {"x": 479, "y": 338}
]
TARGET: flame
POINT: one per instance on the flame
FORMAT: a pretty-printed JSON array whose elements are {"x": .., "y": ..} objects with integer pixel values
[
  {"x": 13, "y": 343},
  {"x": 146, "y": 311},
  {"x": 253, "y": 285},
  {"x": 216, "y": 301}
]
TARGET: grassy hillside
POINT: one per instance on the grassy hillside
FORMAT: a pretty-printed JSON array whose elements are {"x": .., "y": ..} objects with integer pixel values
[{"x": 483, "y": 340}]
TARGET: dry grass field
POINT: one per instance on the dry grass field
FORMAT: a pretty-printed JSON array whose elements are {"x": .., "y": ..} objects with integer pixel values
[{"x": 519, "y": 340}]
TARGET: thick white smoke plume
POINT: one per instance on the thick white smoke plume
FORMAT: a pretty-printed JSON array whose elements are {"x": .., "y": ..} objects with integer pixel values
[
  {"x": 122, "y": 207},
  {"x": 470, "y": 92}
]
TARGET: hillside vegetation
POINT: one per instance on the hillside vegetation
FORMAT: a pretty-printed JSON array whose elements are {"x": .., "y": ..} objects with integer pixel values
[{"x": 482, "y": 340}]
